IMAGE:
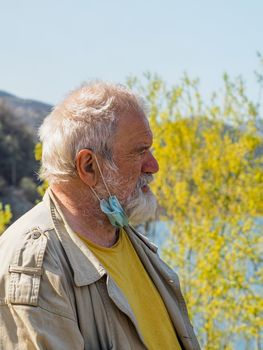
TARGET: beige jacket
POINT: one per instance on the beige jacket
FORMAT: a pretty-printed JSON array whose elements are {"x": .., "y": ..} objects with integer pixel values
[{"x": 55, "y": 294}]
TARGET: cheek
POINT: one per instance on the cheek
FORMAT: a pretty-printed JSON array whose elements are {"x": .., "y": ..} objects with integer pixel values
[
  {"x": 132, "y": 170},
  {"x": 128, "y": 184},
  {"x": 130, "y": 181},
  {"x": 129, "y": 172}
]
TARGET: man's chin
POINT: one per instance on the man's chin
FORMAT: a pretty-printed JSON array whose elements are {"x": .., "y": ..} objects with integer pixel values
[{"x": 142, "y": 208}]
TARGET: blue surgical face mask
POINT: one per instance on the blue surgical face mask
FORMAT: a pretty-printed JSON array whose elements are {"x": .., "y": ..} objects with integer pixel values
[{"x": 111, "y": 207}]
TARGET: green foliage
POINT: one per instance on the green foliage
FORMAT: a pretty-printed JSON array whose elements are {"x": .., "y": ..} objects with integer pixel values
[
  {"x": 29, "y": 188},
  {"x": 210, "y": 190},
  {"x": 16, "y": 147}
]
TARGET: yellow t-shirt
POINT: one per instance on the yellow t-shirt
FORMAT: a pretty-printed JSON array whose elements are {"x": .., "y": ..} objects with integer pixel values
[{"x": 123, "y": 264}]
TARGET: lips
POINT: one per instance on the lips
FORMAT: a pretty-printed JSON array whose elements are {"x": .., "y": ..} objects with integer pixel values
[
  {"x": 145, "y": 188},
  {"x": 144, "y": 182}
]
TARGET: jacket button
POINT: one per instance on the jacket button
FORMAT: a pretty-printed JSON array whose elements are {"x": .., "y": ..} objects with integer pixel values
[{"x": 35, "y": 235}]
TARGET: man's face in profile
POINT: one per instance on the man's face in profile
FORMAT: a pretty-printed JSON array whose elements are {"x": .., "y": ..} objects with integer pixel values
[{"x": 135, "y": 168}]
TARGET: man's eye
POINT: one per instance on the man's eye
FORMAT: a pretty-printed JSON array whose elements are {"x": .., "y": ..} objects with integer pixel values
[{"x": 143, "y": 151}]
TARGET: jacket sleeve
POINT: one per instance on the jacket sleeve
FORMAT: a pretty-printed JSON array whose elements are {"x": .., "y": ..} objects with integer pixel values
[
  {"x": 36, "y": 304},
  {"x": 24, "y": 327}
]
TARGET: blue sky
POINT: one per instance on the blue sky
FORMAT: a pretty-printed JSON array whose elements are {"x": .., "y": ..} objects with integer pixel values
[{"x": 49, "y": 47}]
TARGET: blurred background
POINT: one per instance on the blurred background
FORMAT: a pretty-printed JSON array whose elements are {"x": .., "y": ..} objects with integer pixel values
[{"x": 198, "y": 65}]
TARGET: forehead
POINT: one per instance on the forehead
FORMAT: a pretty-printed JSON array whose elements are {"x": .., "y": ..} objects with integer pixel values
[{"x": 132, "y": 130}]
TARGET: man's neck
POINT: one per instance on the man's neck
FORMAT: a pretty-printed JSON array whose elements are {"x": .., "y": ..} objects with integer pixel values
[{"x": 83, "y": 214}]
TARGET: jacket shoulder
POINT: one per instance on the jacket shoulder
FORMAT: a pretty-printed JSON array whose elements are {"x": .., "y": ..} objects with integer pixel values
[
  {"x": 35, "y": 271},
  {"x": 22, "y": 249},
  {"x": 39, "y": 216}
]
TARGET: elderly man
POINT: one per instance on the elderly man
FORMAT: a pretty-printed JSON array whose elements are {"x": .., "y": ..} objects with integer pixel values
[{"x": 74, "y": 272}]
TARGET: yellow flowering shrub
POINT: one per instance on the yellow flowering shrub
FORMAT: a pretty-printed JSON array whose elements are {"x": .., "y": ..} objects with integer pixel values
[
  {"x": 5, "y": 216},
  {"x": 210, "y": 191},
  {"x": 38, "y": 154}
]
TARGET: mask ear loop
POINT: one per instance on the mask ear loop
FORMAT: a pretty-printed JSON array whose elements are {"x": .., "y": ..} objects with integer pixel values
[
  {"x": 92, "y": 189},
  {"x": 95, "y": 194},
  {"x": 101, "y": 177}
]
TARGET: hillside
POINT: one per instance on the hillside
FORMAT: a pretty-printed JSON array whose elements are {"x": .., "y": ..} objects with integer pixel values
[
  {"x": 29, "y": 112},
  {"x": 19, "y": 121}
]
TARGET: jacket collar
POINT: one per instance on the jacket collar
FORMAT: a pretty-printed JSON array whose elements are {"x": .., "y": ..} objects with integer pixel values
[{"x": 86, "y": 267}]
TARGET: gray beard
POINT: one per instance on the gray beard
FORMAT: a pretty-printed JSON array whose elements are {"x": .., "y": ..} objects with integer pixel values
[{"x": 140, "y": 207}]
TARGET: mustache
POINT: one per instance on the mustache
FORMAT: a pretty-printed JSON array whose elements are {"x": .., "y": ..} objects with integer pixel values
[{"x": 144, "y": 180}]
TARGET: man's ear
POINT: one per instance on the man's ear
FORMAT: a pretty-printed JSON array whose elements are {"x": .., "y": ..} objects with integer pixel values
[{"x": 86, "y": 167}]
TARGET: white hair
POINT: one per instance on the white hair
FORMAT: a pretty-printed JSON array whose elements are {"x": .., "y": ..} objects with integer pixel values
[{"x": 87, "y": 118}]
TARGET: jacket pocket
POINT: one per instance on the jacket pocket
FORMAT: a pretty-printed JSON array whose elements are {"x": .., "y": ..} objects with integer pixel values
[
  {"x": 26, "y": 270},
  {"x": 24, "y": 285}
]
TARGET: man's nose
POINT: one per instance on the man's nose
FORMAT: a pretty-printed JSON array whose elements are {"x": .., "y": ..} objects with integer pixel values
[{"x": 150, "y": 164}]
